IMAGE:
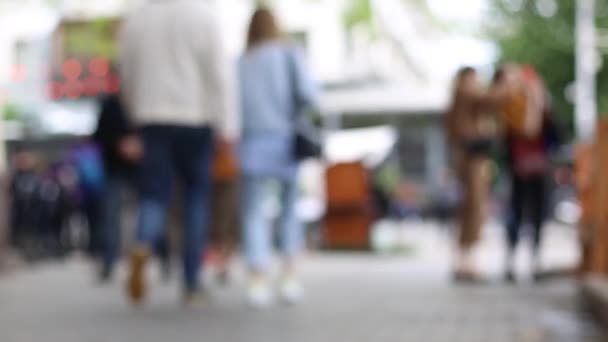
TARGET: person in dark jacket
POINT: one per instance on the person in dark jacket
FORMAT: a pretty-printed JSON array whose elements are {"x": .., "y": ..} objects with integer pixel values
[
  {"x": 529, "y": 168},
  {"x": 121, "y": 151}
]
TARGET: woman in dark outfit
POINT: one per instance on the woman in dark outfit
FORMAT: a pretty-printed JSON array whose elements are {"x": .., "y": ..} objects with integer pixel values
[
  {"x": 528, "y": 163},
  {"x": 121, "y": 152}
]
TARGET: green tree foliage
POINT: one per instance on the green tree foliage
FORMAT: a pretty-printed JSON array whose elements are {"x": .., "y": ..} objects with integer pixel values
[
  {"x": 542, "y": 33},
  {"x": 358, "y": 13}
]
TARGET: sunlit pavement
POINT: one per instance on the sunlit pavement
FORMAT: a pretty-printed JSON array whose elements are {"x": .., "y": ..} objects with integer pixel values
[{"x": 350, "y": 297}]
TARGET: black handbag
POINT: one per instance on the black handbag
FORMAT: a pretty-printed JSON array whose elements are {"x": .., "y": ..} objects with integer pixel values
[
  {"x": 307, "y": 138},
  {"x": 307, "y": 141}
]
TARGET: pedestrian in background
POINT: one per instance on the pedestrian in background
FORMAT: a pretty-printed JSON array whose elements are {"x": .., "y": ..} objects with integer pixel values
[
  {"x": 276, "y": 85},
  {"x": 86, "y": 160},
  {"x": 122, "y": 151},
  {"x": 225, "y": 223},
  {"x": 470, "y": 135},
  {"x": 178, "y": 86},
  {"x": 528, "y": 161}
]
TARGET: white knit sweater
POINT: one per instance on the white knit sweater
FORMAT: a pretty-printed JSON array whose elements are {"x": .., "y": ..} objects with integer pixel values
[{"x": 174, "y": 67}]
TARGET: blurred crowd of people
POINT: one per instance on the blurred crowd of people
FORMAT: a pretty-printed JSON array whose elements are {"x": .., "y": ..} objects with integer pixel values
[
  {"x": 197, "y": 123},
  {"x": 47, "y": 196},
  {"x": 226, "y": 134},
  {"x": 512, "y": 114}
]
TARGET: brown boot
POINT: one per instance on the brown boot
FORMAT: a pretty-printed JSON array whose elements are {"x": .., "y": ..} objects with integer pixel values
[{"x": 136, "y": 286}]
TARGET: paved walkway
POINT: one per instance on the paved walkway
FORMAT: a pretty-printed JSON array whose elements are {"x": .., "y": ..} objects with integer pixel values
[{"x": 350, "y": 297}]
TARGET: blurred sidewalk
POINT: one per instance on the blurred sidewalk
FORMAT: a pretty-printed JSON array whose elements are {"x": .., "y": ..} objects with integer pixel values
[{"x": 350, "y": 297}]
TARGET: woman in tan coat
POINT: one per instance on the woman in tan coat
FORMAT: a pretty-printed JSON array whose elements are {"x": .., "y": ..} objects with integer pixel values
[{"x": 470, "y": 130}]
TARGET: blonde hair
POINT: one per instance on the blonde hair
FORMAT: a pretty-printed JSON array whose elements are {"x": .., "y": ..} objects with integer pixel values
[{"x": 263, "y": 28}]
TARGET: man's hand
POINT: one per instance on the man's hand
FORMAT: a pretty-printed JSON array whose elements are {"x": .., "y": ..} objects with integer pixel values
[
  {"x": 131, "y": 148},
  {"x": 224, "y": 145}
]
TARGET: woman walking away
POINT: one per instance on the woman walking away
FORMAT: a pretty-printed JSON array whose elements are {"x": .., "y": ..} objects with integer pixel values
[
  {"x": 275, "y": 86},
  {"x": 470, "y": 131}
]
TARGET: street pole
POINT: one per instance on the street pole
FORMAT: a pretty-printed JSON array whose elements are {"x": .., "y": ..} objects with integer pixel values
[{"x": 586, "y": 64}]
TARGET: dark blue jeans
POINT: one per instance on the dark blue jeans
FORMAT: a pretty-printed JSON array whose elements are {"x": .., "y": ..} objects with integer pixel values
[
  {"x": 117, "y": 186},
  {"x": 186, "y": 153}
]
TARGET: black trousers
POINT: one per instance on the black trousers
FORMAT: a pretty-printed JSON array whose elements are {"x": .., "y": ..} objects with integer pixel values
[{"x": 529, "y": 197}]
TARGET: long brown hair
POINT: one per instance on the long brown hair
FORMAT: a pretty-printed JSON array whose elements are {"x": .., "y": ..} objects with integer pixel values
[
  {"x": 461, "y": 75},
  {"x": 263, "y": 28}
]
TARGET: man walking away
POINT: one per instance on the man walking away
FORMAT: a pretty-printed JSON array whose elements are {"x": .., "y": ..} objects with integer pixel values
[{"x": 177, "y": 84}]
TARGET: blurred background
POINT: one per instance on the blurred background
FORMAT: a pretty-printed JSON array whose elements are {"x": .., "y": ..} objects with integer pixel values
[{"x": 385, "y": 69}]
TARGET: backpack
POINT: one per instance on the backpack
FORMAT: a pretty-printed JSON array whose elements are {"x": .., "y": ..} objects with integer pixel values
[{"x": 86, "y": 159}]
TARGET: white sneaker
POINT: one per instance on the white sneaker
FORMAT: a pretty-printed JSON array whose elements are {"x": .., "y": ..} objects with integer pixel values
[
  {"x": 291, "y": 290},
  {"x": 259, "y": 295}
]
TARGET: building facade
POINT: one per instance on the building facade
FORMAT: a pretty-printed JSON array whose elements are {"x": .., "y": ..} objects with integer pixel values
[{"x": 367, "y": 79}]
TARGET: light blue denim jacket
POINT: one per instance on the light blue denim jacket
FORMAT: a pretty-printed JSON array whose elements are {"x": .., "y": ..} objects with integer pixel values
[{"x": 275, "y": 84}]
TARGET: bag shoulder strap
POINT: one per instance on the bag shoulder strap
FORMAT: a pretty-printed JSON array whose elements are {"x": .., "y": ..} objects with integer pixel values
[{"x": 293, "y": 78}]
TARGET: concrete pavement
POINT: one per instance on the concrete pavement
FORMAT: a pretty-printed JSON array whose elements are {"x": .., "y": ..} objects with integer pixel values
[{"x": 350, "y": 297}]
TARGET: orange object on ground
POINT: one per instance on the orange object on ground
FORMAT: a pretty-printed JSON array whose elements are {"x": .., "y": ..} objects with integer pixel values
[
  {"x": 592, "y": 184},
  {"x": 350, "y": 210},
  {"x": 348, "y": 184},
  {"x": 599, "y": 239},
  {"x": 583, "y": 175}
]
